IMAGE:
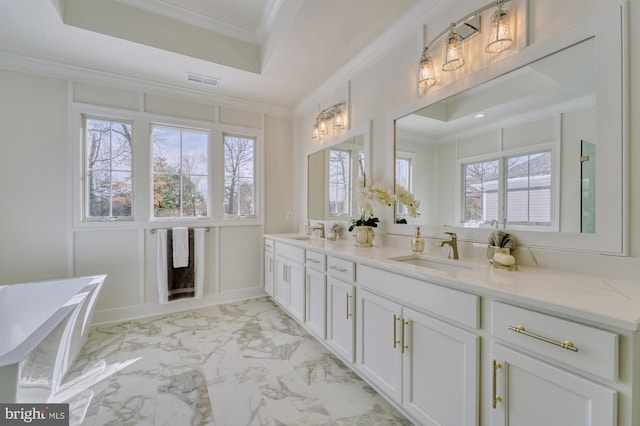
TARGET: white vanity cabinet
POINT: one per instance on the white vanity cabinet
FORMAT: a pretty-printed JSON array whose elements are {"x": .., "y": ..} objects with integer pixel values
[
  {"x": 423, "y": 363},
  {"x": 316, "y": 294},
  {"x": 530, "y": 380},
  {"x": 341, "y": 307},
  {"x": 290, "y": 279},
  {"x": 269, "y": 266},
  {"x": 415, "y": 336}
]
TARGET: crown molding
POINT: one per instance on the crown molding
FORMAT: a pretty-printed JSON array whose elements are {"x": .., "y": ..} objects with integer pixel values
[
  {"x": 13, "y": 62},
  {"x": 403, "y": 29},
  {"x": 268, "y": 18}
]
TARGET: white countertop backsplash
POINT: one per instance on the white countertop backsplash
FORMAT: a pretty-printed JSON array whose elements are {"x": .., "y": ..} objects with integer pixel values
[{"x": 587, "y": 296}]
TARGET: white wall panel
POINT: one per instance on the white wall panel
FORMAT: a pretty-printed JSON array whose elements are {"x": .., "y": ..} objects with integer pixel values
[
  {"x": 106, "y": 96},
  {"x": 34, "y": 178},
  {"x": 115, "y": 253},
  {"x": 240, "y": 257}
]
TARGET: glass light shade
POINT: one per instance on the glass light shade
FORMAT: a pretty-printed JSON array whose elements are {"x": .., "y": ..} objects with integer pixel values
[
  {"x": 322, "y": 129},
  {"x": 453, "y": 58},
  {"x": 338, "y": 120},
  {"x": 500, "y": 33},
  {"x": 315, "y": 135},
  {"x": 426, "y": 74}
]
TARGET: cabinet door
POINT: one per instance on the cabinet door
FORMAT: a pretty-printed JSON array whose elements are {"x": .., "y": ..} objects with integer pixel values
[
  {"x": 379, "y": 345},
  {"x": 281, "y": 280},
  {"x": 296, "y": 279},
  {"x": 532, "y": 392},
  {"x": 269, "y": 269},
  {"x": 439, "y": 371},
  {"x": 316, "y": 318},
  {"x": 340, "y": 315}
]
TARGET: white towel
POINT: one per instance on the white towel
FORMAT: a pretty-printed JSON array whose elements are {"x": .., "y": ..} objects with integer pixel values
[
  {"x": 162, "y": 266},
  {"x": 180, "y": 247}
]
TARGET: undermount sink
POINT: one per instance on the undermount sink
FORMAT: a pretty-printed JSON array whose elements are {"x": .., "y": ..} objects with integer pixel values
[
  {"x": 433, "y": 263},
  {"x": 300, "y": 237}
]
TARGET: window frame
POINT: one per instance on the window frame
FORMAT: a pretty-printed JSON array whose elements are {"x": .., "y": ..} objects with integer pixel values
[
  {"x": 348, "y": 183},
  {"x": 553, "y": 147},
  {"x": 210, "y": 182},
  {"x": 257, "y": 175},
  {"x": 84, "y": 185},
  {"x": 401, "y": 211}
]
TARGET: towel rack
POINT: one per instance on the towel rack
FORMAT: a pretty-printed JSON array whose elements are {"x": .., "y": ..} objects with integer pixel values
[{"x": 154, "y": 230}]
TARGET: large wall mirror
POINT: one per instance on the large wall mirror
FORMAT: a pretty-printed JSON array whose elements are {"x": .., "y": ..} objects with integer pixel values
[
  {"x": 537, "y": 151},
  {"x": 333, "y": 174}
]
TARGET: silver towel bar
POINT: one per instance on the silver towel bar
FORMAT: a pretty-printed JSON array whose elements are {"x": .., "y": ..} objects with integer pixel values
[{"x": 154, "y": 230}]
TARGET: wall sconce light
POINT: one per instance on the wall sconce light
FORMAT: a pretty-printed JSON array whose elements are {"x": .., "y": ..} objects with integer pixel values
[
  {"x": 453, "y": 57},
  {"x": 500, "y": 33},
  {"x": 426, "y": 74},
  {"x": 458, "y": 33},
  {"x": 330, "y": 121}
]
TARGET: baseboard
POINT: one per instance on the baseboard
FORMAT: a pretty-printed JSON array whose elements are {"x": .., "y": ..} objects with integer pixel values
[{"x": 127, "y": 313}]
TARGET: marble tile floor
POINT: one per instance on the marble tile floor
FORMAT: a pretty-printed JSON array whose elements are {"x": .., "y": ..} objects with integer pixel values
[{"x": 245, "y": 363}]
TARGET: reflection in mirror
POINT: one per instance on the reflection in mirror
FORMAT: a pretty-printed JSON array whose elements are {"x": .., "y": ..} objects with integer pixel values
[
  {"x": 333, "y": 173},
  {"x": 510, "y": 152}
]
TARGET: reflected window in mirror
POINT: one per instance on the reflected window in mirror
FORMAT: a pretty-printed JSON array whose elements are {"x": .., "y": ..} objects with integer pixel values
[
  {"x": 404, "y": 178},
  {"x": 333, "y": 174},
  {"x": 339, "y": 178},
  {"x": 481, "y": 192},
  {"x": 513, "y": 189}
]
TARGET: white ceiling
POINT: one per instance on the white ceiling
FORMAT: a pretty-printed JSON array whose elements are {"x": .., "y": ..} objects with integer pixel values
[{"x": 268, "y": 51}]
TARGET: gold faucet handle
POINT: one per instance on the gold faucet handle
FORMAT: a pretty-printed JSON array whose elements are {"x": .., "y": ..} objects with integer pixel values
[{"x": 453, "y": 235}]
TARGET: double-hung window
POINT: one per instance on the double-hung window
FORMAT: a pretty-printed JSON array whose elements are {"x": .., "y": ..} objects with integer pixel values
[
  {"x": 180, "y": 172},
  {"x": 240, "y": 184},
  {"x": 108, "y": 169}
]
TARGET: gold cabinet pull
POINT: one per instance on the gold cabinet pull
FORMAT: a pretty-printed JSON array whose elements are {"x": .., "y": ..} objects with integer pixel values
[
  {"x": 567, "y": 344},
  {"x": 312, "y": 260},
  {"x": 495, "y": 398},
  {"x": 349, "y": 315},
  {"x": 395, "y": 331},
  {"x": 337, "y": 268},
  {"x": 404, "y": 347}
]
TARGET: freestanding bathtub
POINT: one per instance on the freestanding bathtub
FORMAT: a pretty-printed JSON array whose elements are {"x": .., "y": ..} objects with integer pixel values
[{"x": 43, "y": 326}]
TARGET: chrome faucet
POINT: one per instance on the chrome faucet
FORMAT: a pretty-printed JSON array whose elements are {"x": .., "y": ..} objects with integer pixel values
[
  {"x": 318, "y": 227},
  {"x": 453, "y": 242}
]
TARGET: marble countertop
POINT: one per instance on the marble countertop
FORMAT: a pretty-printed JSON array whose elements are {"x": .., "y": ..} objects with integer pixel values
[{"x": 606, "y": 301}]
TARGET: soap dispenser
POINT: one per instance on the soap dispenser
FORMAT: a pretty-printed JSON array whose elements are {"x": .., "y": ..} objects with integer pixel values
[{"x": 417, "y": 242}]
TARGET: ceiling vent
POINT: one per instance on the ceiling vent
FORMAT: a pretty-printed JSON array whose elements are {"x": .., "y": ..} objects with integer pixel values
[{"x": 198, "y": 78}]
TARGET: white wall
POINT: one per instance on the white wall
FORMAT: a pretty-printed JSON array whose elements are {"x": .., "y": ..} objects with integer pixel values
[
  {"x": 34, "y": 183},
  {"x": 384, "y": 89},
  {"x": 42, "y": 235}
]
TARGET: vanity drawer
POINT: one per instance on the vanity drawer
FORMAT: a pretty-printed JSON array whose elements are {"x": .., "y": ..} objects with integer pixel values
[
  {"x": 316, "y": 260},
  {"x": 341, "y": 268},
  {"x": 454, "y": 305},
  {"x": 290, "y": 252},
  {"x": 268, "y": 244},
  {"x": 590, "y": 349}
]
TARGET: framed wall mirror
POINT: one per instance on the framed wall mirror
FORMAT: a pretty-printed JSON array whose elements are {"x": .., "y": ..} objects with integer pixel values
[
  {"x": 333, "y": 174},
  {"x": 537, "y": 151}
]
